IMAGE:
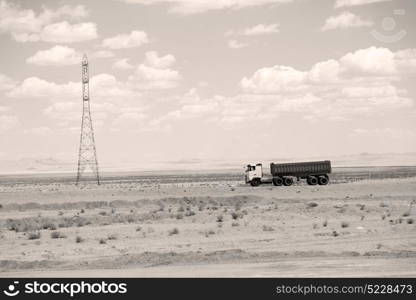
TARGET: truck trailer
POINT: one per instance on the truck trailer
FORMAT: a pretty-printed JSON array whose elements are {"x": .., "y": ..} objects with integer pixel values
[{"x": 315, "y": 172}]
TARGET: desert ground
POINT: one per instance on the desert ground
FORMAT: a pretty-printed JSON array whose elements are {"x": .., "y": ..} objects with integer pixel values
[{"x": 209, "y": 225}]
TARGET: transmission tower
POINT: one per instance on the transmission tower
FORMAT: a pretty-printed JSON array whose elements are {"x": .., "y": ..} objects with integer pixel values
[{"x": 87, "y": 153}]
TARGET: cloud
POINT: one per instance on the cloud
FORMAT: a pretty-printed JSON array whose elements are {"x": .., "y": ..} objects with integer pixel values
[
  {"x": 260, "y": 29},
  {"x": 102, "y": 54},
  {"x": 42, "y": 131},
  {"x": 122, "y": 64},
  {"x": 8, "y": 122},
  {"x": 345, "y": 20},
  {"x": 344, "y": 3},
  {"x": 6, "y": 83},
  {"x": 63, "y": 32},
  {"x": 363, "y": 83},
  {"x": 233, "y": 44},
  {"x": 160, "y": 62},
  {"x": 198, "y": 6},
  {"x": 25, "y": 25},
  {"x": 274, "y": 79},
  {"x": 34, "y": 87},
  {"x": 134, "y": 39},
  {"x": 390, "y": 133},
  {"x": 154, "y": 72},
  {"x": 55, "y": 56}
]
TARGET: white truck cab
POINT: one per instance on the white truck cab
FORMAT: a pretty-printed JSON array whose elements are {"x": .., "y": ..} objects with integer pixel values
[{"x": 254, "y": 173}]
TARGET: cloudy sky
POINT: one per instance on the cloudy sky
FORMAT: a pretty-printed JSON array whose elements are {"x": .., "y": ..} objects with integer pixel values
[{"x": 199, "y": 79}]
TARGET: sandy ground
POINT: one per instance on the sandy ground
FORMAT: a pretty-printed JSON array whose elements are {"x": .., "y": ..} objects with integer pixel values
[{"x": 209, "y": 229}]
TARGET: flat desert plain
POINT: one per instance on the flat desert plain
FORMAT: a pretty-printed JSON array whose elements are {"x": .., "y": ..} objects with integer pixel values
[{"x": 207, "y": 225}]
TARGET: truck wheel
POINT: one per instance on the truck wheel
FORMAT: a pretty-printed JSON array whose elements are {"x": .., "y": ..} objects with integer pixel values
[
  {"x": 312, "y": 180},
  {"x": 323, "y": 180},
  {"x": 255, "y": 182},
  {"x": 277, "y": 181},
  {"x": 287, "y": 181}
]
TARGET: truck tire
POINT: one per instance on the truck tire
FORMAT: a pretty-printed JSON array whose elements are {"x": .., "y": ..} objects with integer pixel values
[
  {"x": 287, "y": 181},
  {"x": 323, "y": 180},
  {"x": 255, "y": 182},
  {"x": 312, "y": 180},
  {"x": 277, "y": 181}
]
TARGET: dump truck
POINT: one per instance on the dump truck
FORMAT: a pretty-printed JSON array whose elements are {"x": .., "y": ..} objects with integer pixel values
[{"x": 315, "y": 172}]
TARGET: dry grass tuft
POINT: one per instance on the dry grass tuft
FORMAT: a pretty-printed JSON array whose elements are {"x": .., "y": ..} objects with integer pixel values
[
  {"x": 57, "y": 235},
  {"x": 267, "y": 228},
  {"x": 33, "y": 235},
  {"x": 174, "y": 231}
]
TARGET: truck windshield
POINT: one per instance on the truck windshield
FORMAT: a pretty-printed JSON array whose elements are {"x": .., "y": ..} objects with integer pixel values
[{"x": 250, "y": 168}]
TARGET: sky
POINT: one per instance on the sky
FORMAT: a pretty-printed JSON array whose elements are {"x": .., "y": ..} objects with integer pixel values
[{"x": 179, "y": 80}]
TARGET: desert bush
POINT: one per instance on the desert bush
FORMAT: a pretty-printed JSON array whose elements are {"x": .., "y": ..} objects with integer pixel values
[
  {"x": 181, "y": 209},
  {"x": 334, "y": 233},
  {"x": 344, "y": 224},
  {"x": 102, "y": 241},
  {"x": 406, "y": 214},
  {"x": 57, "y": 235},
  {"x": 382, "y": 204},
  {"x": 179, "y": 216},
  {"x": 79, "y": 239},
  {"x": 410, "y": 221},
  {"x": 189, "y": 213},
  {"x": 112, "y": 237},
  {"x": 138, "y": 228},
  {"x": 82, "y": 211},
  {"x": 325, "y": 223},
  {"x": 234, "y": 215},
  {"x": 33, "y": 235},
  {"x": 174, "y": 231},
  {"x": 267, "y": 228},
  {"x": 220, "y": 218},
  {"x": 311, "y": 204},
  {"x": 235, "y": 224},
  {"x": 102, "y": 213},
  {"x": 315, "y": 226},
  {"x": 49, "y": 225},
  {"x": 60, "y": 213}
]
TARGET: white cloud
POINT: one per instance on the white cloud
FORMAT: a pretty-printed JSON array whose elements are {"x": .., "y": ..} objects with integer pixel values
[
  {"x": 8, "y": 122},
  {"x": 233, "y": 44},
  {"x": 55, "y": 56},
  {"x": 343, "y": 3},
  {"x": 390, "y": 133},
  {"x": 102, "y": 54},
  {"x": 6, "y": 83},
  {"x": 274, "y": 79},
  {"x": 4, "y": 108},
  {"x": 135, "y": 39},
  {"x": 63, "y": 32},
  {"x": 345, "y": 20},
  {"x": 160, "y": 62},
  {"x": 122, "y": 64},
  {"x": 154, "y": 72},
  {"x": 42, "y": 131},
  {"x": 25, "y": 25},
  {"x": 199, "y": 6},
  {"x": 370, "y": 61},
  {"x": 34, "y": 87},
  {"x": 261, "y": 29}
]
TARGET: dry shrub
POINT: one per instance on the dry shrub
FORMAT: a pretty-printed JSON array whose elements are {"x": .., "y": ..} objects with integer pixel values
[
  {"x": 311, "y": 204},
  {"x": 102, "y": 241},
  {"x": 410, "y": 221},
  {"x": 189, "y": 213},
  {"x": 325, "y": 223},
  {"x": 112, "y": 237},
  {"x": 33, "y": 235},
  {"x": 79, "y": 239},
  {"x": 57, "y": 235},
  {"x": 344, "y": 224},
  {"x": 220, "y": 218},
  {"x": 235, "y": 224},
  {"x": 267, "y": 228},
  {"x": 174, "y": 231},
  {"x": 406, "y": 214},
  {"x": 179, "y": 216}
]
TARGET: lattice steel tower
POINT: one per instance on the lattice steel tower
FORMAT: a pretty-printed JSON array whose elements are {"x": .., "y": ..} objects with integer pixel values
[{"x": 87, "y": 152}]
